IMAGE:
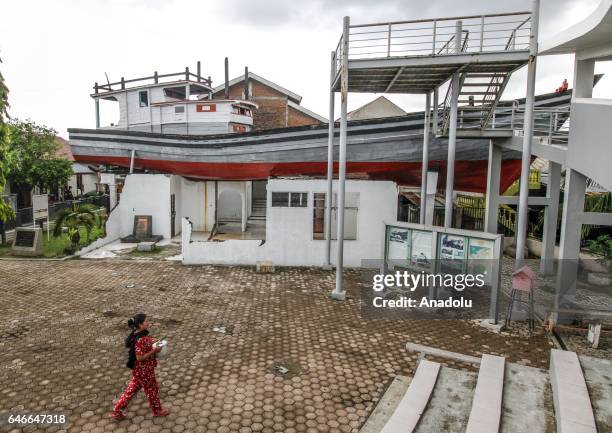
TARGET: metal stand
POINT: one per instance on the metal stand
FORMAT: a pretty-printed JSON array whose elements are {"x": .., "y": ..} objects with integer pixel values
[{"x": 530, "y": 303}]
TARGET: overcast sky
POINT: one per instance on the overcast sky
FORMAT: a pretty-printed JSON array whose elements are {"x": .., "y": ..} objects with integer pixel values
[{"x": 53, "y": 51}]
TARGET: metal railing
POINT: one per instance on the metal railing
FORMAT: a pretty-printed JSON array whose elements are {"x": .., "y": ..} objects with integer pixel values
[
  {"x": 550, "y": 123},
  {"x": 488, "y": 33},
  {"x": 122, "y": 84}
]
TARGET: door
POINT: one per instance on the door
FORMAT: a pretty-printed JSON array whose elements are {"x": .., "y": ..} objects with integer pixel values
[{"x": 172, "y": 215}]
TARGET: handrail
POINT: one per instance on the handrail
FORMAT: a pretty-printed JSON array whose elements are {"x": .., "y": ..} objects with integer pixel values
[
  {"x": 427, "y": 36},
  {"x": 155, "y": 77},
  {"x": 505, "y": 14}
]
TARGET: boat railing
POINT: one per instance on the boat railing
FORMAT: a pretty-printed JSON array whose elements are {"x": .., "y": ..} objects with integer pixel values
[
  {"x": 549, "y": 123},
  {"x": 156, "y": 78},
  {"x": 433, "y": 37}
]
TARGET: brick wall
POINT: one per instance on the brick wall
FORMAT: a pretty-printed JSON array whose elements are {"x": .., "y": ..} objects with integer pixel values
[{"x": 273, "y": 111}]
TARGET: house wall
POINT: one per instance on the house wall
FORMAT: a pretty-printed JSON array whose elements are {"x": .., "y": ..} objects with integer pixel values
[
  {"x": 145, "y": 194},
  {"x": 287, "y": 228}
]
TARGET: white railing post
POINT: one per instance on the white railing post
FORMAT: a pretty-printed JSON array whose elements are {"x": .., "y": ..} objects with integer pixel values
[
  {"x": 330, "y": 165},
  {"x": 482, "y": 28},
  {"x": 433, "y": 45},
  {"x": 458, "y": 32},
  {"x": 389, "y": 41}
]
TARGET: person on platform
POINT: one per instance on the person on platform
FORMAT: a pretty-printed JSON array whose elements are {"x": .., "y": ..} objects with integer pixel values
[{"x": 141, "y": 359}]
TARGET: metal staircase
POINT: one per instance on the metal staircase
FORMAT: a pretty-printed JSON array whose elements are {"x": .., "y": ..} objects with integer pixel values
[{"x": 479, "y": 93}]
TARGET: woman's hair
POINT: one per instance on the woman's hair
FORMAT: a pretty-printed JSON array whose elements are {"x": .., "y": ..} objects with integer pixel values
[{"x": 136, "y": 321}]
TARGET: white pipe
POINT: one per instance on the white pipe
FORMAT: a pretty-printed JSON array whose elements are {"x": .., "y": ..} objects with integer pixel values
[{"x": 339, "y": 292}]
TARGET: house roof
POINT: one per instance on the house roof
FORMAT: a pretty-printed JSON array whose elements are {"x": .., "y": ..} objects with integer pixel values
[
  {"x": 376, "y": 109},
  {"x": 64, "y": 150},
  {"x": 252, "y": 76},
  {"x": 306, "y": 111}
]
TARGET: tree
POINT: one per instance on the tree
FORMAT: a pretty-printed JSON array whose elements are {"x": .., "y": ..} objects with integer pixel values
[
  {"x": 34, "y": 158},
  {"x": 73, "y": 218},
  {"x": 5, "y": 210}
]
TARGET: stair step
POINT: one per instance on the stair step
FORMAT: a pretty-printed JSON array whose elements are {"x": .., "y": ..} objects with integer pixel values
[
  {"x": 571, "y": 399},
  {"x": 482, "y": 84},
  {"x": 478, "y": 93},
  {"x": 408, "y": 413},
  {"x": 487, "y": 404}
]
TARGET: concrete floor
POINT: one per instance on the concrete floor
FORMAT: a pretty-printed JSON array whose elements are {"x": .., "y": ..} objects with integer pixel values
[{"x": 62, "y": 326}]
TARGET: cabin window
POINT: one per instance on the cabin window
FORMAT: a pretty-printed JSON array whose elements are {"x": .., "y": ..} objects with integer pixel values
[
  {"x": 143, "y": 98},
  {"x": 351, "y": 208},
  {"x": 179, "y": 109},
  {"x": 289, "y": 199},
  {"x": 179, "y": 92},
  {"x": 239, "y": 128}
]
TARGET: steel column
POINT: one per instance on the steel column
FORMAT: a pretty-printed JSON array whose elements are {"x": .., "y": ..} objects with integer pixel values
[
  {"x": 523, "y": 210},
  {"x": 492, "y": 197},
  {"x": 339, "y": 292},
  {"x": 551, "y": 215},
  {"x": 435, "y": 111},
  {"x": 425, "y": 163},
  {"x": 97, "y": 113},
  {"x": 132, "y": 158},
  {"x": 452, "y": 136},
  {"x": 330, "y": 164}
]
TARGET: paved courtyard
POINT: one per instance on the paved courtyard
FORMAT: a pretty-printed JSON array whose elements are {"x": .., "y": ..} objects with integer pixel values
[{"x": 62, "y": 326}]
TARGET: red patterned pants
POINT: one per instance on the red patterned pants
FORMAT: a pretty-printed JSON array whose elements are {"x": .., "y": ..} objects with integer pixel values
[{"x": 151, "y": 389}]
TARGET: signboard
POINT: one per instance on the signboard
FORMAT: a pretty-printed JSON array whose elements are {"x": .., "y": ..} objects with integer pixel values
[
  {"x": 24, "y": 238},
  {"x": 420, "y": 255},
  {"x": 398, "y": 244},
  {"x": 447, "y": 251},
  {"x": 40, "y": 206},
  {"x": 40, "y": 209},
  {"x": 27, "y": 242}
]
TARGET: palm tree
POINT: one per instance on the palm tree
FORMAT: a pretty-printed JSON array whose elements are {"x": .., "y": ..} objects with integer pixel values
[{"x": 75, "y": 217}]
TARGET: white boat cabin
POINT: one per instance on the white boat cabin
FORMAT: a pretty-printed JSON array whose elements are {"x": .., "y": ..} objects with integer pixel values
[{"x": 182, "y": 104}]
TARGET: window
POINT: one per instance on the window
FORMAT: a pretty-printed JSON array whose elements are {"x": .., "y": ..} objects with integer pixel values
[
  {"x": 179, "y": 109},
  {"x": 351, "y": 207},
  {"x": 239, "y": 128},
  {"x": 143, "y": 98},
  {"x": 289, "y": 199}
]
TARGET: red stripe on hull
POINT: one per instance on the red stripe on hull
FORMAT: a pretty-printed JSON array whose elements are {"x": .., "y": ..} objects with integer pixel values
[{"x": 469, "y": 175}]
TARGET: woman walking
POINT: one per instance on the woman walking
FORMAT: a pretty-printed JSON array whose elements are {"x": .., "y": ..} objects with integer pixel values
[{"x": 141, "y": 360}]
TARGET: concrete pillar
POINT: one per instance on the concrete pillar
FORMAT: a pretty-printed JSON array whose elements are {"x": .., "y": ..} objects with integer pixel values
[
  {"x": 97, "y": 104},
  {"x": 551, "y": 215},
  {"x": 432, "y": 186},
  {"x": 523, "y": 210},
  {"x": 132, "y": 159},
  {"x": 452, "y": 135},
  {"x": 425, "y": 163},
  {"x": 244, "y": 216},
  {"x": 330, "y": 164},
  {"x": 492, "y": 197},
  {"x": 339, "y": 292},
  {"x": 584, "y": 73},
  {"x": 569, "y": 246}
]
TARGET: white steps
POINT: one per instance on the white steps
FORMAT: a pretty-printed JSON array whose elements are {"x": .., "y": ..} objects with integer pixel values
[
  {"x": 408, "y": 413},
  {"x": 573, "y": 408},
  {"x": 502, "y": 398},
  {"x": 485, "y": 416}
]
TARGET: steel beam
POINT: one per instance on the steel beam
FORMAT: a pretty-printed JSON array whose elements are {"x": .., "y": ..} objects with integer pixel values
[
  {"x": 97, "y": 104},
  {"x": 330, "y": 165},
  {"x": 523, "y": 210},
  {"x": 339, "y": 292},
  {"x": 425, "y": 163}
]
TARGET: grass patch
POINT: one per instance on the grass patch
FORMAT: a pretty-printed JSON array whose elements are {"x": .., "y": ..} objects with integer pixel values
[{"x": 56, "y": 246}]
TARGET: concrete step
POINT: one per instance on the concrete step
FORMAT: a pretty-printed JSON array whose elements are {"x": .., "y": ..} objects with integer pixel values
[
  {"x": 485, "y": 415},
  {"x": 412, "y": 405},
  {"x": 572, "y": 402},
  {"x": 598, "y": 377}
]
